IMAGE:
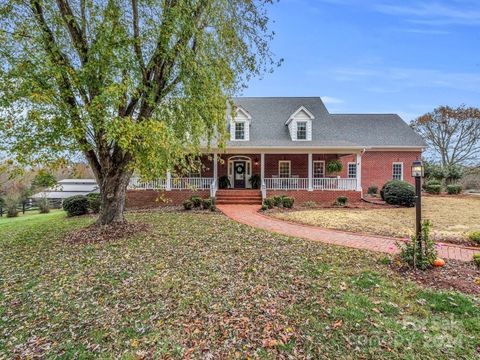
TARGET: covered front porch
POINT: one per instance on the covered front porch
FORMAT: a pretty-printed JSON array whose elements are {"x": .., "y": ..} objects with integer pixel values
[{"x": 269, "y": 171}]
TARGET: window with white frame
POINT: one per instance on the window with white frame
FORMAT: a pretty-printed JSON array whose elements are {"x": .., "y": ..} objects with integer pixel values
[
  {"x": 318, "y": 169},
  {"x": 397, "y": 171},
  {"x": 301, "y": 130},
  {"x": 352, "y": 170},
  {"x": 284, "y": 168},
  {"x": 239, "y": 130}
]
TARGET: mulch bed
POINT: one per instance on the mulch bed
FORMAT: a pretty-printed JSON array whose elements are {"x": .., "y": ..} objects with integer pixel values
[
  {"x": 98, "y": 233},
  {"x": 455, "y": 275}
]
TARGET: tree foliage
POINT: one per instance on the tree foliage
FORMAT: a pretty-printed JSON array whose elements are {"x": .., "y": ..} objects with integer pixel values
[
  {"x": 452, "y": 133},
  {"x": 43, "y": 179},
  {"x": 131, "y": 84}
]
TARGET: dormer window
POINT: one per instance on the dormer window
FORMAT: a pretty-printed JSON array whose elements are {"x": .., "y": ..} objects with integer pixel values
[
  {"x": 240, "y": 125},
  {"x": 240, "y": 130},
  {"x": 300, "y": 125},
  {"x": 301, "y": 130}
]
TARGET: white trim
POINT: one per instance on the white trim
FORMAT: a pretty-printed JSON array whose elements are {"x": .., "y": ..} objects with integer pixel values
[
  {"x": 262, "y": 166},
  {"x": 359, "y": 171},
  {"x": 246, "y": 130},
  {"x": 244, "y": 112},
  {"x": 310, "y": 171},
  {"x": 301, "y": 108},
  {"x": 348, "y": 169},
  {"x": 215, "y": 167},
  {"x": 230, "y": 170},
  {"x": 313, "y": 168},
  {"x": 289, "y": 167},
  {"x": 350, "y": 149},
  {"x": 403, "y": 169}
]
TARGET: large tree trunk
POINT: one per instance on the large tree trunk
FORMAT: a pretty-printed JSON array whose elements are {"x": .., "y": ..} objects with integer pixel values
[{"x": 113, "y": 188}]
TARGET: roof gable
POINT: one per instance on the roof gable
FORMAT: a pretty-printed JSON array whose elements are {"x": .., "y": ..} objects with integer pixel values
[{"x": 301, "y": 113}]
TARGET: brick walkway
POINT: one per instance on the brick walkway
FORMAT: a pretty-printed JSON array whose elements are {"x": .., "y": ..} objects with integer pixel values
[{"x": 249, "y": 215}]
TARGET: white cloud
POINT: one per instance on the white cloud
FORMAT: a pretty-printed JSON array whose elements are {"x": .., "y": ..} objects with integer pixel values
[
  {"x": 433, "y": 13},
  {"x": 396, "y": 79}
]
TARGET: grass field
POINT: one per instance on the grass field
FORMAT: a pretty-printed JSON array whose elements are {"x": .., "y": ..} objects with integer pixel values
[
  {"x": 202, "y": 286},
  {"x": 452, "y": 218},
  {"x": 29, "y": 215}
]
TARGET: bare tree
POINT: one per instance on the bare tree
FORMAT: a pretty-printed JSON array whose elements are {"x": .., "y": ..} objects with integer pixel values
[{"x": 452, "y": 133}]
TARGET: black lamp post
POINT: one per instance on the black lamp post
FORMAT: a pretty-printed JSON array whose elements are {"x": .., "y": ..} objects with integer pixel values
[{"x": 417, "y": 173}]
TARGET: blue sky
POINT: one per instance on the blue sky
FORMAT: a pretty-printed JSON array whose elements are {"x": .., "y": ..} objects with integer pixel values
[{"x": 378, "y": 56}]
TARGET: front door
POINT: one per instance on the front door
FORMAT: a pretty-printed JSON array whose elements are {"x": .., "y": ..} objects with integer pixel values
[{"x": 239, "y": 174}]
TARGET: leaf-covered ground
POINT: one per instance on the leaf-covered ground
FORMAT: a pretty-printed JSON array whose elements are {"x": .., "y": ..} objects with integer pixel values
[
  {"x": 452, "y": 218},
  {"x": 202, "y": 286}
]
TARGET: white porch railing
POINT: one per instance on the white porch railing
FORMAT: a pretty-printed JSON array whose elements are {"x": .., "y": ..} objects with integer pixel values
[
  {"x": 201, "y": 183},
  {"x": 286, "y": 183},
  {"x": 317, "y": 184},
  {"x": 137, "y": 184},
  {"x": 334, "y": 184}
]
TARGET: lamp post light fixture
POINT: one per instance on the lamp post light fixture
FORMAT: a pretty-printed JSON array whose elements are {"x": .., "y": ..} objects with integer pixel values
[{"x": 418, "y": 172}]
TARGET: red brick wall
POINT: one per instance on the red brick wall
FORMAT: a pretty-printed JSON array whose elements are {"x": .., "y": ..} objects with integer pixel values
[
  {"x": 377, "y": 166},
  {"x": 320, "y": 197},
  {"x": 152, "y": 198}
]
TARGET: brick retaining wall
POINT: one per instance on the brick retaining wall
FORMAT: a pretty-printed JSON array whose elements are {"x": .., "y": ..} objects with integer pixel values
[
  {"x": 153, "y": 198},
  {"x": 320, "y": 197}
]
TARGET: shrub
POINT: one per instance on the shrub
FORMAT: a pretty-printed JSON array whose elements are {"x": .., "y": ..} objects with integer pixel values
[
  {"x": 188, "y": 204},
  {"x": 76, "y": 205},
  {"x": 223, "y": 182},
  {"x": 373, "y": 190},
  {"x": 264, "y": 207},
  {"x": 334, "y": 166},
  {"x": 476, "y": 260},
  {"x": 44, "y": 206},
  {"x": 309, "y": 204},
  {"x": 255, "y": 180},
  {"x": 396, "y": 192},
  {"x": 196, "y": 201},
  {"x": 430, "y": 182},
  {"x": 454, "y": 189},
  {"x": 288, "y": 202},
  {"x": 206, "y": 204},
  {"x": 341, "y": 201},
  {"x": 412, "y": 255},
  {"x": 268, "y": 202},
  {"x": 433, "y": 189},
  {"x": 277, "y": 200},
  {"x": 474, "y": 236},
  {"x": 94, "y": 202}
]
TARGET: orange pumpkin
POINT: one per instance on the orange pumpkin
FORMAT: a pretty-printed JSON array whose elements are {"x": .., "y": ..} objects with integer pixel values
[{"x": 438, "y": 262}]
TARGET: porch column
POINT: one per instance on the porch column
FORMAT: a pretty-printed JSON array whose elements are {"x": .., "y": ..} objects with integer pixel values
[
  {"x": 215, "y": 167},
  {"x": 310, "y": 172},
  {"x": 359, "y": 171},
  {"x": 262, "y": 167},
  {"x": 168, "y": 184}
]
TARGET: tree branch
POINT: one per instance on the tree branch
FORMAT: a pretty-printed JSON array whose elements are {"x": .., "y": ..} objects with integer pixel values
[{"x": 78, "y": 39}]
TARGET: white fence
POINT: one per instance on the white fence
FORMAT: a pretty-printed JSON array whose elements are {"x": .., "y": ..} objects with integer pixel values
[
  {"x": 137, "y": 184},
  {"x": 317, "y": 184},
  {"x": 202, "y": 183},
  {"x": 286, "y": 183},
  {"x": 334, "y": 184}
]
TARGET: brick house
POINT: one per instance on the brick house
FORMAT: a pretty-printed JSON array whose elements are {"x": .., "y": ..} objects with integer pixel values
[{"x": 290, "y": 143}]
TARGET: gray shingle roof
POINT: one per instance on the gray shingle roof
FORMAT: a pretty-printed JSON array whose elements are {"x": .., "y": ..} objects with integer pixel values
[{"x": 268, "y": 128}]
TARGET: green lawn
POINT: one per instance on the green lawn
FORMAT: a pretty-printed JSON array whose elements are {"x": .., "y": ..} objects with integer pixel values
[
  {"x": 202, "y": 285},
  {"x": 29, "y": 215}
]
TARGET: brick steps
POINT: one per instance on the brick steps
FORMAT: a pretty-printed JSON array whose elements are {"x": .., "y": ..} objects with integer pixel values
[{"x": 245, "y": 197}]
